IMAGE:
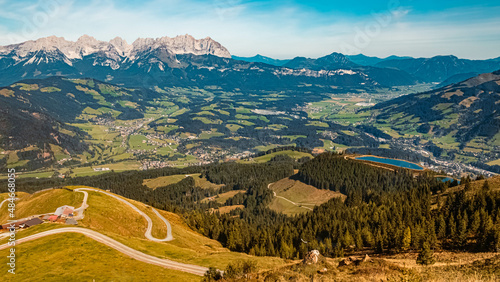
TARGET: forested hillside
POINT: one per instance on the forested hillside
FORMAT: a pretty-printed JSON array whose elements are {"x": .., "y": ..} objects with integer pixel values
[{"x": 385, "y": 211}]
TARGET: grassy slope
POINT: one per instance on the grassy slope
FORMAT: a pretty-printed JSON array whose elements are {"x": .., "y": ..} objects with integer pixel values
[
  {"x": 74, "y": 257},
  {"x": 484, "y": 267},
  {"x": 171, "y": 179},
  {"x": 299, "y": 193},
  {"x": 265, "y": 158},
  {"x": 43, "y": 202},
  {"x": 223, "y": 197},
  {"x": 118, "y": 221}
]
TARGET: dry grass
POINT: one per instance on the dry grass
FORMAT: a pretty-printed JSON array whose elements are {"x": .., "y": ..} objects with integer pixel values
[
  {"x": 223, "y": 197},
  {"x": 109, "y": 216},
  {"x": 74, "y": 257},
  {"x": 300, "y": 193},
  {"x": 118, "y": 221},
  {"x": 42, "y": 202},
  {"x": 227, "y": 209},
  {"x": 171, "y": 179},
  {"x": 460, "y": 267}
]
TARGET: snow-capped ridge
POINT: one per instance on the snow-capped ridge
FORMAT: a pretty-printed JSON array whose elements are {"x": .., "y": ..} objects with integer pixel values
[{"x": 117, "y": 49}]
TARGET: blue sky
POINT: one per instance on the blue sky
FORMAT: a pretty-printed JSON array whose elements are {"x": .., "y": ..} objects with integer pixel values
[{"x": 280, "y": 29}]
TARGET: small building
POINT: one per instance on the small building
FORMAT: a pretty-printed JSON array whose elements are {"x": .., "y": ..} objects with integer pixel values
[
  {"x": 60, "y": 210},
  {"x": 46, "y": 217},
  {"x": 53, "y": 218},
  {"x": 32, "y": 222},
  {"x": 67, "y": 212},
  {"x": 16, "y": 224},
  {"x": 71, "y": 221}
]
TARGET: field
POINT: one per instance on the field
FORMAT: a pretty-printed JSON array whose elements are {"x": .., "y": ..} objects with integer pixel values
[
  {"x": 265, "y": 158},
  {"x": 223, "y": 197},
  {"x": 116, "y": 220},
  {"x": 42, "y": 202},
  {"x": 304, "y": 196},
  {"x": 73, "y": 257},
  {"x": 171, "y": 179},
  {"x": 449, "y": 267}
]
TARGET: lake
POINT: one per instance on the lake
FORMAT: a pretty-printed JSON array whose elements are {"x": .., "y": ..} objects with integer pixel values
[
  {"x": 444, "y": 179},
  {"x": 393, "y": 162}
]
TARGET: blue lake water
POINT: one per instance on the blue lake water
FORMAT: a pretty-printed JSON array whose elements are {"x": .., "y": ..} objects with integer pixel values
[
  {"x": 444, "y": 179},
  {"x": 393, "y": 162}
]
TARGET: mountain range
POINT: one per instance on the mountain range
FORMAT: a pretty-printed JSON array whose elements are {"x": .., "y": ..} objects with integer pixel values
[{"x": 186, "y": 61}]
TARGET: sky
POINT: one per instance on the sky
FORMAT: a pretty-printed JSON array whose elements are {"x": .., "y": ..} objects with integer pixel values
[{"x": 280, "y": 29}]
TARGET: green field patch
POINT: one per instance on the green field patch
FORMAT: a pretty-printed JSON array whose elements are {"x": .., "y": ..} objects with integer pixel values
[
  {"x": 117, "y": 167},
  {"x": 111, "y": 90},
  {"x": 179, "y": 112},
  {"x": 88, "y": 82},
  {"x": 128, "y": 104},
  {"x": 350, "y": 133},
  {"x": 242, "y": 122},
  {"x": 262, "y": 159},
  {"x": 276, "y": 126},
  {"x": 293, "y": 137},
  {"x": 50, "y": 89},
  {"x": 210, "y": 134},
  {"x": 59, "y": 153},
  {"x": 140, "y": 142},
  {"x": 494, "y": 162},
  {"x": 317, "y": 123},
  {"x": 97, "y": 132},
  {"x": 167, "y": 150},
  {"x": 233, "y": 127},
  {"x": 209, "y": 108},
  {"x": 222, "y": 112},
  {"x": 98, "y": 97},
  {"x": 223, "y": 197},
  {"x": 243, "y": 110},
  {"x": 442, "y": 106},
  {"x": 26, "y": 87}
]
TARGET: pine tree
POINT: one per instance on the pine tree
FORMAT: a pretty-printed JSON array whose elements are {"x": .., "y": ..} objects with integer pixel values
[
  {"x": 461, "y": 237},
  {"x": 406, "y": 239},
  {"x": 475, "y": 223},
  {"x": 359, "y": 241},
  {"x": 379, "y": 243},
  {"x": 467, "y": 186},
  {"x": 426, "y": 255},
  {"x": 486, "y": 186},
  {"x": 441, "y": 232},
  {"x": 452, "y": 227}
]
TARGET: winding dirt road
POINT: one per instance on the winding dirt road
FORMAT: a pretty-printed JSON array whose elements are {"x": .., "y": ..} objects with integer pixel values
[
  {"x": 149, "y": 229},
  {"x": 194, "y": 269}
]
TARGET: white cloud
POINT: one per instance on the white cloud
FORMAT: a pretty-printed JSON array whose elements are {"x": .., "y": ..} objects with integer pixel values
[{"x": 248, "y": 29}]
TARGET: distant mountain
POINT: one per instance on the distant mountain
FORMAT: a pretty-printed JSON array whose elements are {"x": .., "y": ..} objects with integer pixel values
[
  {"x": 262, "y": 59},
  {"x": 340, "y": 62},
  {"x": 364, "y": 60},
  {"x": 180, "y": 61},
  {"x": 329, "y": 62},
  {"x": 440, "y": 68},
  {"x": 457, "y": 78},
  {"x": 466, "y": 111}
]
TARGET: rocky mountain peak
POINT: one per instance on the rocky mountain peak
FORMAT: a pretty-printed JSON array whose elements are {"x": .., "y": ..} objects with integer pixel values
[{"x": 87, "y": 45}]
